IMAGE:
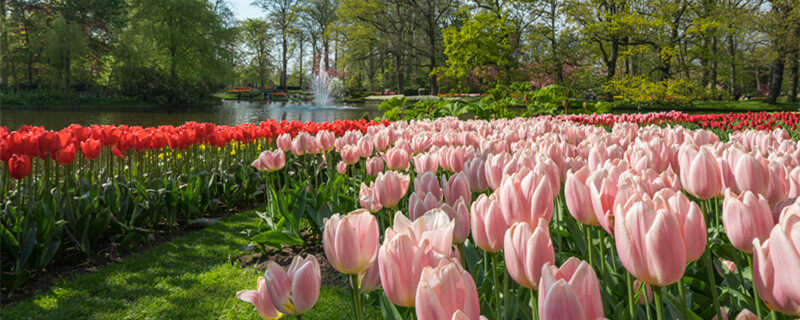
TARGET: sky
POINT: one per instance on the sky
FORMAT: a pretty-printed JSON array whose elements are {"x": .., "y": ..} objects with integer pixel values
[{"x": 243, "y": 9}]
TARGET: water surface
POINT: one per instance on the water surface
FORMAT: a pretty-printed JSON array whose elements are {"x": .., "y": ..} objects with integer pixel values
[{"x": 228, "y": 113}]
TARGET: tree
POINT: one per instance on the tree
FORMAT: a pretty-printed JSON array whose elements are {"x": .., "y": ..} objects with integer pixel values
[
  {"x": 283, "y": 14},
  {"x": 781, "y": 25},
  {"x": 479, "y": 52},
  {"x": 429, "y": 16},
  {"x": 385, "y": 22},
  {"x": 321, "y": 15},
  {"x": 258, "y": 41}
]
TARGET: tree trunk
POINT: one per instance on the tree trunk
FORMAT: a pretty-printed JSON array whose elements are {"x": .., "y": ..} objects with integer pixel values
[
  {"x": 301, "y": 64},
  {"x": 712, "y": 77},
  {"x": 434, "y": 87},
  {"x": 284, "y": 59},
  {"x": 611, "y": 64},
  {"x": 794, "y": 76},
  {"x": 325, "y": 49},
  {"x": 776, "y": 80},
  {"x": 732, "y": 52},
  {"x": 400, "y": 73}
]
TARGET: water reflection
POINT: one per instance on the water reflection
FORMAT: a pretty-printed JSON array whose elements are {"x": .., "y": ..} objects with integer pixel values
[{"x": 228, "y": 112}]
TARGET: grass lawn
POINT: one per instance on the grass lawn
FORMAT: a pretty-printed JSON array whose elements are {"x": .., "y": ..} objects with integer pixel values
[
  {"x": 190, "y": 277},
  {"x": 721, "y": 106}
]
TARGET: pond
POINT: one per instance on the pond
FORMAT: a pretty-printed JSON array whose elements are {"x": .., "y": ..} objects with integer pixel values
[{"x": 228, "y": 113}]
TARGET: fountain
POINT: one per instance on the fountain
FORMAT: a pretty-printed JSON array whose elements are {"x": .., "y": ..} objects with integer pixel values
[{"x": 321, "y": 84}]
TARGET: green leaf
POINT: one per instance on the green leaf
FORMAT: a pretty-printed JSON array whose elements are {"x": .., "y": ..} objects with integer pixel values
[
  {"x": 277, "y": 238},
  {"x": 388, "y": 310}
]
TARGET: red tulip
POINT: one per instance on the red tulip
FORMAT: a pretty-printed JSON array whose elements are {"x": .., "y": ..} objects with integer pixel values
[
  {"x": 19, "y": 166},
  {"x": 67, "y": 155},
  {"x": 91, "y": 148}
]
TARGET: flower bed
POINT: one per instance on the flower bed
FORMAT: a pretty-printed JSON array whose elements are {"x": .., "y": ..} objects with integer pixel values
[
  {"x": 547, "y": 218},
  {"x": 490, "y": 208}
]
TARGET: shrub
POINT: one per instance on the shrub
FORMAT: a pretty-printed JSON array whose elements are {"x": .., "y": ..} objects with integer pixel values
[{"x": 642, "y": 91}]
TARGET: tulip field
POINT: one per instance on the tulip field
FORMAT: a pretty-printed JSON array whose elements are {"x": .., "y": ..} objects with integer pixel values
[{"x": 640, "y": 216}]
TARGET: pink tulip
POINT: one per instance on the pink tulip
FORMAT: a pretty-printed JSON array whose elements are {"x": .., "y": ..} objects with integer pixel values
[
  {"x": 526, "y": 198},
  {"x": 603, "y": 192},
  {"x": 723, "y": 313},
  {"x": 418, "y": 204},
  {"x": 446, "y": 290},
  {"x": 569, "y": 292},
  {"x": 365, "y": 146},
  {"x": 477, "y": 175},
  {"x": 700, "y": 173},
  {"x": 302, "y": 144},
  {"x": 374, "y": 166},
  {"x": 284, "y": 142},
  {"x": 527, "y": 249},
  {"x": 488, "y": 224},
  {"x": 746, "y": 217},
  {"x": 428, "y": 183},
  {"x": 341, "y": 167},
  {"x": 295, "y": 290},
  {"x": 390, "y": 187},
  {"x": 270, "y": 161},
  {"x": 372, "y": 279},
  {"x": 350, "y": 155},
  {"x": 369, "y": 199},
  {"x": 650, "y": 243},
  {"x": 381, "y": 142},
  {"x": 325, "y": 139},
  {"x": 690, "y": 219},
  {"x": 459, "y": 213},
  {"x": 495, "y": 163},
  {"x": 578, "y": 197},
  {"x": 793, "y": 183},
  {"x": 396, "y": 159},
  {"x": 752, "y": 174},
  {"x": 457, "y": 187},
  {"x": 729, "y": 267},
  {"x": 260, "y": 299},
  {"x": 775, "y": 265},
  {"x": 646, "y": 296},
  {"x": 426, "y": 162},
  {"x": 402, "y": 260},
  {"x": 351, "y": 241},
  {"x": 746, "y": 315},
  {"x": 778, "y": 184}
]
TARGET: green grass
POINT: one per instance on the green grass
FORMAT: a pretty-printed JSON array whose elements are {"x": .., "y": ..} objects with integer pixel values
[
  {"x": 190, "y": 277},
  {"x": 720, "y": 106}
]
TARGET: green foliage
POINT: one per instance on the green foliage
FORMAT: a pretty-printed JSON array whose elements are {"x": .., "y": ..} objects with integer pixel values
[
  {"x": 601, "y": 107},
  {"x": 146, "y": 84},
  {"x": 478, "y": 52},
  {"x": 194, "y": 276},
  {"x": 643, "y": 92}
]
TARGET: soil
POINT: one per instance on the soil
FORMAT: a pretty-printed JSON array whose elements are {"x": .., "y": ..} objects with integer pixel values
[
  {"x": 284, "y": 257},
  {"x": 73, "y": 262}
]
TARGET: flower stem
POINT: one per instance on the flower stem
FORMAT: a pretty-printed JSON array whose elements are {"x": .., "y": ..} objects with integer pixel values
[
  {"x": 713, "y": 282},
  {"x": 534, "y": 306},
  {"x": 631, "y": 306},
  {"x": 589, "y": 244},
  {"x": 756, "y": 299},
  {"x": 659, "y": 304},
  {"x": 602, "y": 237},
  {"x": 496, "y": 286},
  {"x": 682, "y": 292},
  {"x": 356, "y": 297}
]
